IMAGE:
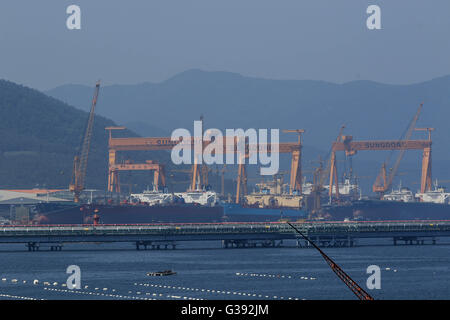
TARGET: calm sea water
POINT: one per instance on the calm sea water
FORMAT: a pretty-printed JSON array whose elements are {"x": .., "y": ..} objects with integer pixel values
[{"x": 206, "y": 271}]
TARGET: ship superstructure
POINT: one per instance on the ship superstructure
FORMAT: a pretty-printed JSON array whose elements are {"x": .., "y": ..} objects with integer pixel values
[
  {"x": 199, "y": 196},
  {"x": 269, "y": 202},
  {"x": 152, "y": 197},
  {"x": 273, "y": 194},
  {"x": 437, "y": 195},
  {"x": 401, "y": 194}
]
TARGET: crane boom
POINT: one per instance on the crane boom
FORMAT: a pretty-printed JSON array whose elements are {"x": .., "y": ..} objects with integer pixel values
[
  {"x": 81, "y": 159},
  {"x": 387, "y": 181}
]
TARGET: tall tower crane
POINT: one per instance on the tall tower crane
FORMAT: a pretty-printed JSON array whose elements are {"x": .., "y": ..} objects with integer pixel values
[
  {"x": 80, "y": 160},
  {"x": 382, "y": 176}
]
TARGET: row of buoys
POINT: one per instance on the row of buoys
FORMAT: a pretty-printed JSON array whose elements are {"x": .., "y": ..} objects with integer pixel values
[
  {"x": 98, "y": 294},
  {"x": 16, "y": 297},
  {"x": 306, "y": 278},
  {"x": 266, "y": 275},
  {"x": 252, "y": 295},
  {"x": 168, "y": 296},
  {"x": 17, "y": 281},
  {"x": 46, "y": 283},
  {"x": 47, "y": 286},
  {"x": 262, "y": 275},
  {"x": 147, "y": 294}
]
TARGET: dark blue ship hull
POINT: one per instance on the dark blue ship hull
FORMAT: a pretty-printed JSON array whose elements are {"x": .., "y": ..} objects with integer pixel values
[
  {"x": 131, "y": 214},
  {"x": 374, "y": 210},
  {"x": 70, "y": 213},
  {"x": 239, "y": 213}
]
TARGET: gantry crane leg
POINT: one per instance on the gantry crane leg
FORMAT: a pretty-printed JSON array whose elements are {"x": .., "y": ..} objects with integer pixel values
[
  {"x": 241, "y": 186},
  {"x": 333, "y": 176},
  {"x": 113, "y": 181},
  {"x": 296, "y": 172},
  {"x": 425, "y": 184},
  {"x": 156, "y": 179},
  {"x": 162, "y": 175}
]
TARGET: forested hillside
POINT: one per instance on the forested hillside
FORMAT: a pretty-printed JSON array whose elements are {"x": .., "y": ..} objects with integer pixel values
[{"x": 39, "y": 138}]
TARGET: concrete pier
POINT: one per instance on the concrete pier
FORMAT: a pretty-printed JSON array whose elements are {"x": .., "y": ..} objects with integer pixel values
[{"x": 232, "y": 235}]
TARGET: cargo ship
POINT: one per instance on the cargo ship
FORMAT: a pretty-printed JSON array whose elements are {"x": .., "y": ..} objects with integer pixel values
[
  {"x": 192, "y": 206},
  {"x": 147, "y": 207},
  {"x": 131, "y": 214},
  {"x": 269, "y": 202},
  {"x": 400, "y": 204}
]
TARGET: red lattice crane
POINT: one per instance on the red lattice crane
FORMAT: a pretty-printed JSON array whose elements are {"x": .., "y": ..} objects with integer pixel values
[
  {"x": 348, "y": 281},
  {"x": 80, "y": 161}
]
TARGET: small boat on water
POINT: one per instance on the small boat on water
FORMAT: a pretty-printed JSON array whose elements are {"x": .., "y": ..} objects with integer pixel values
[{"x": 161, "y": 273}]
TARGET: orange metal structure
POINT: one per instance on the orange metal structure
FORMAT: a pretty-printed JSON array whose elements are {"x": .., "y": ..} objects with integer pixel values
[
  {"x": 114, "y": 169},
  {"x": 165, "y": 143},
  {"x": 387, "y": 180},
  {"x": 296, "y": 168},
  {"x": 351, "y": 147},
  {"x": 80, "y": 161}
]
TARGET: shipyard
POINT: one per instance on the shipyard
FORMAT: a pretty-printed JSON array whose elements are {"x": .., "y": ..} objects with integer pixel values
[
  {"x": 224, "y": 159},
  {"x": 272, "y": 200},
  {"x": 322, "y": 208}
]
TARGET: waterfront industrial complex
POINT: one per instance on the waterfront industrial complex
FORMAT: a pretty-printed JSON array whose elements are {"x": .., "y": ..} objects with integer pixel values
[{"x": 327, "y": 197}]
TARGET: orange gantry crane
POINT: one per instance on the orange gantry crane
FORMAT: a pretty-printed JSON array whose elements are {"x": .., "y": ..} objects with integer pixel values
[
  {"x": 166, "y": 143},
  {"x": 351, "y": 147},
  {"x": 387, "y": 180},
  {"x": 149, "y": 165},
  {"x": 114, "y": 168},
  {"x": 80, "y": 160}
]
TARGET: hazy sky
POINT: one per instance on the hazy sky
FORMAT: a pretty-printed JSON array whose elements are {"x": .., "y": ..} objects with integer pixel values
[{"x": 131, "y": 41}]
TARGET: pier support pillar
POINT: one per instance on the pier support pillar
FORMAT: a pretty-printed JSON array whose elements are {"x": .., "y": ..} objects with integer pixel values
[
  {"x": 155, "y": 245},
  {"x": 33, "y": 246}
]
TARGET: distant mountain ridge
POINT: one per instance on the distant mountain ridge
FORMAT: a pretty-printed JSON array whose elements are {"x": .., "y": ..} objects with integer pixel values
[
  {"x": 370, "y": 110},
  {"x": 40, "y": 136}
]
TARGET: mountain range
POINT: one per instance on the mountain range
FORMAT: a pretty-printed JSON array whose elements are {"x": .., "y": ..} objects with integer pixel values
[{"x": 369, "y": 110}]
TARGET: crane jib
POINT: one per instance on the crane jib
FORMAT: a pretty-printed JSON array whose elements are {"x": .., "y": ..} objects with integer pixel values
[{"x": 80, "y": 161}]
